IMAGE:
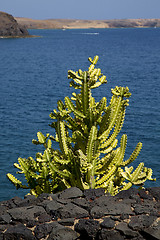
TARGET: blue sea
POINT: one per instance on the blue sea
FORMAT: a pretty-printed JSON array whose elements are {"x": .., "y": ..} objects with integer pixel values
[{"x": 33, "y": 77}]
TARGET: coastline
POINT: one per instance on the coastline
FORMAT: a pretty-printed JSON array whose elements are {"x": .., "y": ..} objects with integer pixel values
[{"x": 86, "y": 24}]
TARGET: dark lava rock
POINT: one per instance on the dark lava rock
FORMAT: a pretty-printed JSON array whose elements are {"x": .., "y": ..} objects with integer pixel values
[
  {"x": 122, "y": 227},
  {"x": 107, "y": 223},
  {"x": 83, "y": 203},
  {"x": 19, "y": 232},
  {"x": 41, "y": 231},
  {"x": 92, "y": 194},
  {"x": 104, "y": 234},
  {"x": 2, "y": 210},
  {"x": 27, "y": 201},
  {"x": 5, "y": 218},
  {"x": 140, "y": 222},
  {"x": 110, "y": 208},
  {"x": 124, "y": 216},
  {"x": 63, "y": 234},
  {"x": 10, "y": 28},
  {"x": 70, "y": 210},
  {"x": 44, "y": 217},
  {"x": 52, "y": 206},
  {"x": 70, "y": 193},
  {"x": 23, "y": 214},
  {"x": 67, "y": 222},
  {"x": 143, "y": 208},
  {"x": 155, "y": 192},
  {"x": 143, "y": 194},
  {"x": 130, "y": 193},
  {"x": 87, "y": 228},
  {"x": 152, "y": 232}
]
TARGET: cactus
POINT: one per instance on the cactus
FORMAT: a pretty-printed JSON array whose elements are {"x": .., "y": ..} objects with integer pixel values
[{"x": 86, "y": 130}]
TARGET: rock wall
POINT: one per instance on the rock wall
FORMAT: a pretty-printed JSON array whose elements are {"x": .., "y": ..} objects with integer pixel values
[
  {"x": 10, "y": 28},
  {"x": 89, "y": 215}
]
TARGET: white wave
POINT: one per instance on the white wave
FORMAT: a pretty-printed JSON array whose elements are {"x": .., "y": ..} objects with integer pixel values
[{"x": 90, "y": 33}]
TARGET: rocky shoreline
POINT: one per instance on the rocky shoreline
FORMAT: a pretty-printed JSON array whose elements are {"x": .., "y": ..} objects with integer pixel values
[
  {"x": 9, "y": 28},
  {"x": 89, "y": 215}
]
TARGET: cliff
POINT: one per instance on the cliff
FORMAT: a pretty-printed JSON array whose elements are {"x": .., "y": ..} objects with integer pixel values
[
  {"x": 77, "y": 24},
  {"x": 10, "y": 28}
]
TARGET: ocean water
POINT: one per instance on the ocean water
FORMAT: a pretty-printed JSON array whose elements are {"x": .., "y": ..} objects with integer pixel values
[{"x": 33, "y": 77}]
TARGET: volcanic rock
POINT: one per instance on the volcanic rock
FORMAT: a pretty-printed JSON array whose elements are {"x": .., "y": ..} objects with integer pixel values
[
  {"x": 10, "y": 28},
  {"x": 82, "y": 215}
]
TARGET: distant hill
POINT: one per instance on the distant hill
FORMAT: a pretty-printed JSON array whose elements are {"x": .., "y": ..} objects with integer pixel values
[
  {"x": 73, "y": 23},
  {"x": 10, "y": 28}
]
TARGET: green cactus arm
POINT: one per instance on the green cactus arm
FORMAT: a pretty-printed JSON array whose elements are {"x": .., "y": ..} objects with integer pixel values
[
  {"x": 75, "y": 85},
  {"x": 91, "y": 117},
  {"x": 116, "y": 131},
  {"x": 97, "y": 84},
  {"x": 49, "y": 143},
  {"x": 122, "y": 149},
  {"x": 101, "y": 105},
  {"x": 113, "y": 120},
  {"x": 127, "y": 173},
  {"x": 104, "y": 121},
  {"x": 60, "y": 105},
  {"x": 103, "y": 79},
  {"x": 121, "y": 91},
  {"x": 126, "y": 176},
  {"x": 78, "y": 136},
  {"x": 105, "y": 183},
  {"x": 44, "y": 171},
  {"x": 77, "y": 81},
  {"x": 73, "y": 75},
  {"x": 41, "y": 137},
  {"x": 72, "y": 108},
  {"x": 46, "y": 187},
  {"x": 17, "y": 166},
  {"x": 61, "y": 161},
  {"x": 118, "y": 158},
  {"x": 93, "y": 72},
  {"x": 110, "y": 187},
  {"x": 126, "y": 186},
  {"x": 137, "y": 172},
  {"x": 149, "y": 173},
  {"x": 145, "y": 175},
  {"x": 54, "y": 169},
  {"x": 61, "y": 131},
  {"x": 78, "y": 104},
  {"x": 90, "y": 144},
  {"x": 66, "y": 183},
  {"x": 94, "y": 61},
  {"x": 16, "y": 182},
  {"x": 24, "y": 166},
  {"x": 82, "y": 155},
  {"x": 72, "y": 124},
  {"x": 107, "y": 176},
  {"x": 91, "y": 68},
  {"x": 47, "y": 155},
  {"x": 85, "y": 94},
  {"x": 104, "y": 163},
  {"x": 134, "y": 155}
]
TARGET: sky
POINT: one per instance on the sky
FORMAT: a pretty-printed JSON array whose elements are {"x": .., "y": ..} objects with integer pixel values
[{"x": 82, "y": 9}]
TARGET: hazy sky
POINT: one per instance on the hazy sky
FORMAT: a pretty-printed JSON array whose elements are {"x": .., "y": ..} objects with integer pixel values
[{"x": 82, "y": 9}]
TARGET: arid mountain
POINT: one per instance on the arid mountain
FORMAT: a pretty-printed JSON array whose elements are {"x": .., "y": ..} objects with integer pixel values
[
  {"x": 71, "y": 23},
  {"x": 10, "y": 28}
]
